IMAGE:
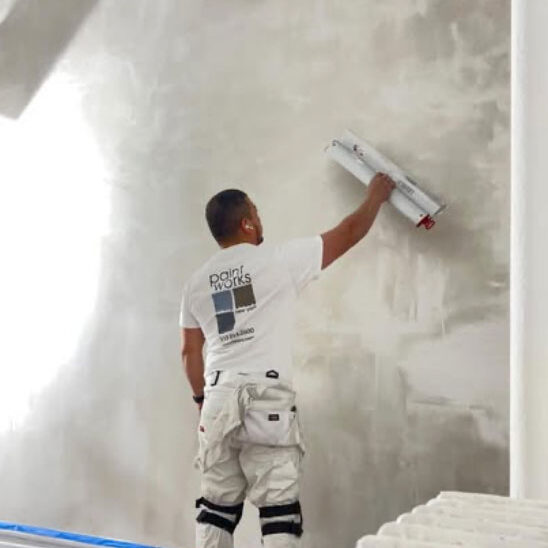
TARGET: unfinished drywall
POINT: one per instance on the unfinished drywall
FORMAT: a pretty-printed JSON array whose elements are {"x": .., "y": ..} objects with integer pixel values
[{"x": 402, "y": 346}]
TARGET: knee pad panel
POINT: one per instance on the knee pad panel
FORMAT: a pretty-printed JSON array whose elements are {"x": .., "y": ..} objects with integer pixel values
[
  {"x": 292, "y": 524},
  {"x": 221, "y": 516}
]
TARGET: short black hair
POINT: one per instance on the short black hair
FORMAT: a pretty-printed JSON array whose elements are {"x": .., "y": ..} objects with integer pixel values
[{"x": 225, "y": 211}]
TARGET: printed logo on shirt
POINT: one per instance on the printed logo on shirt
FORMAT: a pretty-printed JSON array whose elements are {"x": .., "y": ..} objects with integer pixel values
[
  {"x": 229, "y": 279},
  {"x": 233, "y": 295}
]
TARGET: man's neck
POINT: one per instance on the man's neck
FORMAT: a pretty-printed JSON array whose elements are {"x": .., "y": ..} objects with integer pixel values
[{"x": 231, "y": 243}]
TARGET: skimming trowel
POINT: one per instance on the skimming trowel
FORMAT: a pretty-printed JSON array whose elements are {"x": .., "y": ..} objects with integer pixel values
[{"x": 363, "y": 161}]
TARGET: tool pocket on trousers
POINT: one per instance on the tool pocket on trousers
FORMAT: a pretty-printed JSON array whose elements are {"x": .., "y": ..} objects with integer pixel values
[
  {"x": 270, "y": 427},
  {"x": 207, "y": 418},
  {"x": 202, "y": 443}
]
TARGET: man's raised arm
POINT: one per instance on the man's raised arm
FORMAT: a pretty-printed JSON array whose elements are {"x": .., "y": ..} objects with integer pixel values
[{"x": 353, "y": 228}]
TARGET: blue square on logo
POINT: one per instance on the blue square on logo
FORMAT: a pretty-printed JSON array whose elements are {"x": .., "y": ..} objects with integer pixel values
[
  {"x": 223, "y": 301},
  {"x": 226, "y": 322}
]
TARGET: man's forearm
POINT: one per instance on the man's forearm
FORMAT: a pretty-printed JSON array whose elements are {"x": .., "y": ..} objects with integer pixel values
[
  {"x": 194, "y": 368},
  {"x": 362, "y": 219}
]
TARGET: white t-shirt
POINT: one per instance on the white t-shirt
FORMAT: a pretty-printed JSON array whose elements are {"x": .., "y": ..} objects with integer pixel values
[{"x": 243, "y": 299}]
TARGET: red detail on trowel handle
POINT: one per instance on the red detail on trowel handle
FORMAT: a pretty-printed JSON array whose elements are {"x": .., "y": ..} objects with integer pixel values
[{"x": 427, "y": 222}]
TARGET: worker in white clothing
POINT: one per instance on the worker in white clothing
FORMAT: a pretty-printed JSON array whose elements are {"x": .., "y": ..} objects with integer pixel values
[{"x": 241, "y": 304}]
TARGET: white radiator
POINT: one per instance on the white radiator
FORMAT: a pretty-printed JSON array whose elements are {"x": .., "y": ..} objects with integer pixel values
[{"x": 467, "y": 519}]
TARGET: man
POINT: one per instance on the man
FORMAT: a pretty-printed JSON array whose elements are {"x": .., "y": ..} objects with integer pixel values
[{"x": 241, "y": 304}]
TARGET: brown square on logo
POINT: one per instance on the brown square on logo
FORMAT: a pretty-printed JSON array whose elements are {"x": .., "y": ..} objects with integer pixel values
[{"x": 244, "y": 296}]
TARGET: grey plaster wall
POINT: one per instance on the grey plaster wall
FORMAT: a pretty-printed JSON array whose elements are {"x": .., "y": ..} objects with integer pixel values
[{"x": 402, "y": 353}]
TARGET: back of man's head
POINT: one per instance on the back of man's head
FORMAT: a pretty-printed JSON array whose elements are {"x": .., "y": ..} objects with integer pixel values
[{"x": 224, "y": 213}]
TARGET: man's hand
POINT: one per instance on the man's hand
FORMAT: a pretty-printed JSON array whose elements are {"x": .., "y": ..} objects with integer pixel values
[{"x": 380, "y": 188}]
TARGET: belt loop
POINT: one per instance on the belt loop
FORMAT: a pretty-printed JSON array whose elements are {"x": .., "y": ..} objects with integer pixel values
[{"x": 217, "y": 375}]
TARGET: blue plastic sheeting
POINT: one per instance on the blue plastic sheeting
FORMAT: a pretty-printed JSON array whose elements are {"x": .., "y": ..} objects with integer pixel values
[{"x": 74, "y": 537}]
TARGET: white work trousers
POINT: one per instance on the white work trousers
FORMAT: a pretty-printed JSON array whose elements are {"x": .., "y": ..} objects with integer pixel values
[{"x": 250, "y": 446}]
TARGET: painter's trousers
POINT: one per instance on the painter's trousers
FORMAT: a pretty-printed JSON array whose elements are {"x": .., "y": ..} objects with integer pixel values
[{"x": 250, "y": 445}]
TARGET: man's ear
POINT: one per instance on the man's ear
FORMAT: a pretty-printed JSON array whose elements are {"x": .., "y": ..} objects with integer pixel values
[{"x": 246, "y": 225}]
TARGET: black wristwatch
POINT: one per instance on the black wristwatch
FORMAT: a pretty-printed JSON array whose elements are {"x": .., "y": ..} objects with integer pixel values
[{"x": 198, "y": 399}]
